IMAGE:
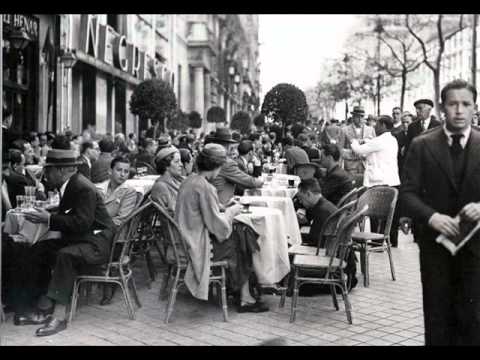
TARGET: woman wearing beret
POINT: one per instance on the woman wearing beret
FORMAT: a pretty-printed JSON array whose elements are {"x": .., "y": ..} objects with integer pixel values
[{"x": 169, "y": 166}]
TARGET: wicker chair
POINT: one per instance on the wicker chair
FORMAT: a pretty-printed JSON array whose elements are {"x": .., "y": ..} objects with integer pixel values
[
  {"x": 181, "y": 261},
  {"x": 117, "y": 270},
  {"x": 327, "y": 268},
  {"x": 353, "y": 195},
  {"x": 329, "y": 229},
  {"x": 381, "y": 201}
]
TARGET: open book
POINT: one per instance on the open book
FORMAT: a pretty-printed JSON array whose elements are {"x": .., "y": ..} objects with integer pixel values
[{"x": 467, "y": 230}]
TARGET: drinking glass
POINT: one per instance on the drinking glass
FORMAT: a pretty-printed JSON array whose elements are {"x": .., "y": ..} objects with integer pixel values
[{"x": 20, "y": 201}]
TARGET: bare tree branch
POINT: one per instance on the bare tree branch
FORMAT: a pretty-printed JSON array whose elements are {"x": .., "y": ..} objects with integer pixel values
[{"x": 420, "y": 41}]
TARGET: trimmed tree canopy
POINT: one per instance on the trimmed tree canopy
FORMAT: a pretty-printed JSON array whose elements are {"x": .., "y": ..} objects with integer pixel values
[
  {"x": 287, "y": 103},
  {"x": 259, "y": 120},
  {"x": 178, "y": 121},
  {"x": 195, "y": 120},
  {"x": 216, "y": 115},
  {"x": 241, "y": 121},
  {"x": 153, "y": 99}
]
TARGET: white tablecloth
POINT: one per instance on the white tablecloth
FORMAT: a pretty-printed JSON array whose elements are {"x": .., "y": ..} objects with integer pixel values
[
  {"x": 23, "y": 230},
  {"x": 271, "y": 263},
  {"x": 267, "y": 190},
  {"x": 285, "y": 205},
  {"x": 142, "y": 184}
]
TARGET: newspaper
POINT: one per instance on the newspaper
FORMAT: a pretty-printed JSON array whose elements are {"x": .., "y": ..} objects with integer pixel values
[{"x": 467, "y": 230}]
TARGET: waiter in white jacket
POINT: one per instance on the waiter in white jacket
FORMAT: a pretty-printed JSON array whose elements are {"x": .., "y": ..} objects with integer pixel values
[{"x": 381, "y": 163}]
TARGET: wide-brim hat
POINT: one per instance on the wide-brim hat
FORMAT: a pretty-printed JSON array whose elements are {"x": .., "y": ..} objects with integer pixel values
[
  {"x": 223, "y": 135},
  {"x": 358, "y": 110},
  {"x": 59, "y": 157},
  {"x": 423, "y": 101}
]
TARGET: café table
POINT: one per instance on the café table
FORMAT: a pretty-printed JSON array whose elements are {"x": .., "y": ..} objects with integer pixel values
[
  {"x": 271, "y": 263},
  {"x": 276, "y": 185},
  {"x": 142, "y": 184},
  {"x": 22, "y": 230},
  {"x": 285, "y": 205}
]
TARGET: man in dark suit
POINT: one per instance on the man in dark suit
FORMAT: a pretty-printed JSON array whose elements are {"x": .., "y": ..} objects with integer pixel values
[
  {"x": 441, "y": 180},
  {"x": 86, "y": 236},
  {"x": 337, "y": 182},
  {"x": 424, "y": 120},
  {"x": 89, "y": 152}
]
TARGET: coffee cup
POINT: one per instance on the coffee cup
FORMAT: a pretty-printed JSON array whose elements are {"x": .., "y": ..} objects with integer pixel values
[{"x": 291, "y": 183}]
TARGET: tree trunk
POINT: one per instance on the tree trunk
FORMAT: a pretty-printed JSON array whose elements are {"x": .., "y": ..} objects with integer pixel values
[
  {"x": 404, "y": 86},
  {"x": 474, "y": 50},
  {"x": 436, "y": 89}
]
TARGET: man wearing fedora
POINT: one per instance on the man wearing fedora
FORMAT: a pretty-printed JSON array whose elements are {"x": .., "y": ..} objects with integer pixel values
[
  {"x": 86, "y": 235},
  {"x": 423, "y": 122},
  {"x": 360, "y": 132},
  {"x": 230, "y": 175}
]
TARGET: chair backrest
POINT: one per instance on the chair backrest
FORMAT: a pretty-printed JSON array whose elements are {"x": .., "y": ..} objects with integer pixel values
[
  {"x": 125, "y": 236},
  {"x": 353, "y": 195},
  {"x": 341, "y": 245},
  {"x": 331, "y": 225},
  {"x": 305, "y": 171},
  {"x": 173, "y": 235},
  {"x": 381, "y": 201}
]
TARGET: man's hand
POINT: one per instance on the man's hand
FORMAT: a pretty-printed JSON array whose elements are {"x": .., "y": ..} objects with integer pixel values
[
  {"x": 40, "y": 216},
  {"x": 444, "y": 224},
  {"x": 471, "y": 211}
]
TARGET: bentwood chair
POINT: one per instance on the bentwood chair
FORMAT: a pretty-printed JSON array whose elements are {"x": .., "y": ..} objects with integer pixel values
[
  {"x": 117, "y": 270},
  {"x": 329, "y": 229},
  {"x": 381, "y": 201},
  {"x": 353, "y": 195},
  {"x": 327, "y": 268},
  {"x": 179, "y": 257}
]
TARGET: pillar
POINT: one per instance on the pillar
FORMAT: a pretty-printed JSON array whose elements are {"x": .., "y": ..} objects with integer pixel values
[{"x": 199, "y": 91}]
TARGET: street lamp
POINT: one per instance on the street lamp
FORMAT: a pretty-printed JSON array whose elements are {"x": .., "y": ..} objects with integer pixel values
[
  {"x": 68, "y": 59},
  {"x": 19, "y": 39},
  {"x": 378, "y": 30},
  {"x": 346, "y": 60}
]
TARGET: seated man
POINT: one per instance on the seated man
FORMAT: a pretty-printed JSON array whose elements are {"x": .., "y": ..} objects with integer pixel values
[
  {"x": 318, "y": 209},
  {"x": 337, "y": 182},
  {"x": 294, "y": 155},
  {"x": 87, "y": 231}
]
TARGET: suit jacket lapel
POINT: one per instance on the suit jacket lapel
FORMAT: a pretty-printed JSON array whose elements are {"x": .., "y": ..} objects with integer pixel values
[
  {"x": 440, "y": 150},
  {"x": 472, "y": 154}
]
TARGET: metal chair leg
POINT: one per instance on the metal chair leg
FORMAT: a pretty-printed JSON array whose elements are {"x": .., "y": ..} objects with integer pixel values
[
  {"x": 134, "y": 291},
  {"x": 224, "y": 296},
  {"x": 366, "y": 278},
  {"x": 128, "y": 304},
  {"x": 163, "y": 294},
  {"x": 73, "y": 302},
  {"x": 172, "y": 297},
  {"x": 348, "y": 307},
  {"x": 294, "y": 297},
  {"x": 333, "y": 292},
  {"x": 392, "y": 269}
]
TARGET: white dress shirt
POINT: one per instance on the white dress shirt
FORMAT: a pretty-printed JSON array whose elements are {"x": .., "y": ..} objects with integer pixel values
[{"x": 381, "y": 160}]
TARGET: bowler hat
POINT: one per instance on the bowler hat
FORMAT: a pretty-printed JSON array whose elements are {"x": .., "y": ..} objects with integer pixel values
[
  {"x": 59, "y": 157},
  {"x": 423, "y": 101},
  {"x": 358, "y": 110},
  {"x": 222, "y": 135}
]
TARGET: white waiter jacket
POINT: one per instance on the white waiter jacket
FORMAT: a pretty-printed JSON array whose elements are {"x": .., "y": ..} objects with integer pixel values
[{"x": 381, "y": 160}]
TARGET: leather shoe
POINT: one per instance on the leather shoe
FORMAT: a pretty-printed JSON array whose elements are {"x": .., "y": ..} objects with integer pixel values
[
  {"x": 52, "y": 327},
  {"x": 256, "y": 307},
  {"x": 34, "y": 318}
]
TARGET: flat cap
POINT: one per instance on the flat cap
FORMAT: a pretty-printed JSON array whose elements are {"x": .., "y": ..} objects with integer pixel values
[{"x": 423, "y": 101}]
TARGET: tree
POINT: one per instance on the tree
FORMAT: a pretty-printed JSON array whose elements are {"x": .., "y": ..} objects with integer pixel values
[
  {"x": 259, "y": 120},
  {"x": 287, "y": 103},
  {"x": 241, "y": 121},
  {"x": 195, "y": 120},
  {"x": 153, "y": 99},
  {"x": 216, "y": 115},
  {"x": 178, "y": 121},
  {"x": 432, "y": 44}
]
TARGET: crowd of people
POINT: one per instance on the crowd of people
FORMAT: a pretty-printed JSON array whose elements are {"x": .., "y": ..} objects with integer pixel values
[{"x": 201, "y": 175}]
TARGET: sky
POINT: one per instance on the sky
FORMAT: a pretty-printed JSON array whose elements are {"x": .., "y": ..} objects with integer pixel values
[{"x": 293, "y": 47}]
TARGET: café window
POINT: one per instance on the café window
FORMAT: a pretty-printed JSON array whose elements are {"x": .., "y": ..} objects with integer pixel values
[{"x": 20, "y": 67}]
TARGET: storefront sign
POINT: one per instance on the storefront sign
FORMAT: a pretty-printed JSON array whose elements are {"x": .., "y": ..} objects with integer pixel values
[
  {"x": 23, "y": 22},
  {"x": 104, "y": 43}
]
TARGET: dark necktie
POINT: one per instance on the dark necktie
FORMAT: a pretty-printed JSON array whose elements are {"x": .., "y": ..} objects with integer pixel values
[
  {"x": 423, "y": 125},
  {"x": 456, "y": 148}
]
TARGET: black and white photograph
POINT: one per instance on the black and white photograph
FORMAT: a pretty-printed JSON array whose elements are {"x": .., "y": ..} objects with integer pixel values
[{"x": 256, "y": 179}]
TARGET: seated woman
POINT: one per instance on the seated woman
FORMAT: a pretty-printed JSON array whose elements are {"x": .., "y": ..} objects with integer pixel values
[
  {"x": 201, "y": 222},
  {"x": 165, "y": 189},
  {"x": 119, "y": 200}
]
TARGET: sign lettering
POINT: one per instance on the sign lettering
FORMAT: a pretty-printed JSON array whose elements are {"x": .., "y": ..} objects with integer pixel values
[{"x": 23, "y": 22}]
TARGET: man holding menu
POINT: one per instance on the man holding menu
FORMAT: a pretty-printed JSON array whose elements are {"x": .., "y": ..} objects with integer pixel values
[{"x": 441, "y": 180}]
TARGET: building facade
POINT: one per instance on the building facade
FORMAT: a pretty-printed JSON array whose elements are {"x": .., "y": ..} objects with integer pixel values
[{"x": 75, "y": 71}]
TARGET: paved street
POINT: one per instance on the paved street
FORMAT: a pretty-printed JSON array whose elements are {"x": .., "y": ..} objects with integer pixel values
[{"x": 387, "y": 313}]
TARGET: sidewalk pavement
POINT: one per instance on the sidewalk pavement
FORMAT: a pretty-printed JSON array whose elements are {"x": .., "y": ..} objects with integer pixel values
[{"x": 386, "y": 313}]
